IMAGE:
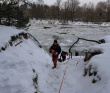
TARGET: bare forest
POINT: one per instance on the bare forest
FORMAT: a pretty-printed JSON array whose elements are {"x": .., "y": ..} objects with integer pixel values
[{"x": 70, "y": 10}]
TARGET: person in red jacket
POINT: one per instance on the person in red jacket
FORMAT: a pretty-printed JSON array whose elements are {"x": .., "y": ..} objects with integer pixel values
[
  {"x": 63, "y": 55},
  {"x": 55, "y": 49}
]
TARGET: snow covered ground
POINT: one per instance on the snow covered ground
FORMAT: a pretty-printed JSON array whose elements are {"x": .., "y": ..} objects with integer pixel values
[
  {"x": 21, "y": 64},
  {"x": 17, "y": 64},
  {"x": 6, "y": 32}
]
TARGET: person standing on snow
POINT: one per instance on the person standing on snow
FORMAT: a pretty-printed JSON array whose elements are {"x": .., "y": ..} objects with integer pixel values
[{"x": 55, "y": 49}]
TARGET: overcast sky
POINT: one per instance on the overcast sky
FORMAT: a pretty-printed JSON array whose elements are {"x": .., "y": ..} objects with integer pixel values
[{"x": 50, "y": 2}]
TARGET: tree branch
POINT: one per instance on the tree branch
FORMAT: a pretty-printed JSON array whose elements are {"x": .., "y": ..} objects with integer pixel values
[{"x": 70, "y": 53}]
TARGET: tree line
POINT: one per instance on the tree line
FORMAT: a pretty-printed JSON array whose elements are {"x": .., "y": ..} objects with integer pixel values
[
  {"x": 18, "y": 12},
  {"x": 70, "y": 10}
]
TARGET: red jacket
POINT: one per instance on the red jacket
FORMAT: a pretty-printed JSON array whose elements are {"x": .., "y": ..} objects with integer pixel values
[{"x": 55, "y": 50}]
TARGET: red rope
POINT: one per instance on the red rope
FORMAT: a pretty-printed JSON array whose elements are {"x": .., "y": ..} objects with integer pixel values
[{"x": 63, "y": 78}]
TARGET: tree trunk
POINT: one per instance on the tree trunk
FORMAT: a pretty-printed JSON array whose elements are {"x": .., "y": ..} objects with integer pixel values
[
  {"x": 0, "y": 20},
  {"x": 0, "y": 14},
  {"x": 58, "y": 13},
  {"x": 9, "y": 20}
]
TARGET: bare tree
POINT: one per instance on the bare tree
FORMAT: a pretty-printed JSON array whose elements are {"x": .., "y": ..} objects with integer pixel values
[
  {"x": 100, "y": 12},
  {"x": 0, "y": 13},
  {"x": 108, "y": 11},
  {"x": 73, "y": 5},
  {"x": 58, "y": 3},
  {"x": 65, "y": 11},
  {"x": 79, "y": 14},
  {"x": 84, "y": 7},
  {"x": 89, "y": 13}
]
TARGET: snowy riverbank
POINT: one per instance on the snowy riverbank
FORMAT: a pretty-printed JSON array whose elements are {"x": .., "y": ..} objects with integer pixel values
[
  {"x": 22, "y": 64},
  {"x": 27, "y": 68}
]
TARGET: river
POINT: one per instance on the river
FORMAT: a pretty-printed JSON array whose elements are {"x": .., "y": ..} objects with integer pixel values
[{"x": 67, "y": 34}]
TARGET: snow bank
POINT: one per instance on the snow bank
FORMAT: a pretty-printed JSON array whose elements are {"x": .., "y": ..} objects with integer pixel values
[
  {"x": 56, "y": 22},
  {"x": 105, "y": 24},
  {"x": 107, "y": 39},
  {"x": 100, "y": 63},
  {"x": 97, "y": 78},
  {"x": 6, "y": 33},
  {"x": 22, "y": 64}
]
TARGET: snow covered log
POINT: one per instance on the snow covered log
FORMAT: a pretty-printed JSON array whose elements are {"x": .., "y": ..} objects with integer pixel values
[
  {"x": 89, "y": 54},
  {"x": 18, "y": 38}
]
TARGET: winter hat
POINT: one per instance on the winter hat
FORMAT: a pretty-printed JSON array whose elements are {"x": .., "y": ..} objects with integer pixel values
[{"x": 55, "y": 41}]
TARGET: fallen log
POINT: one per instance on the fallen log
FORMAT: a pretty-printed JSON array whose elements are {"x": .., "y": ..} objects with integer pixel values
[{"x": 70, "y": 53}]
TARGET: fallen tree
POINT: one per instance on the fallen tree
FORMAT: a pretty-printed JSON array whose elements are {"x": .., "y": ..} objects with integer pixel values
[{"x": 70, "y": 53}]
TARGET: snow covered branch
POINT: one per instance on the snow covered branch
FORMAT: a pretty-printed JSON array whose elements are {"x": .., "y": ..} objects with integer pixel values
[{"x": 70, "y": 53}]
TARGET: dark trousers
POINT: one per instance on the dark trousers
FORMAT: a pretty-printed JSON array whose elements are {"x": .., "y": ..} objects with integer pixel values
[
  {"x": 54, "y": 59},
  {"x": 63, "y": 58}
]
